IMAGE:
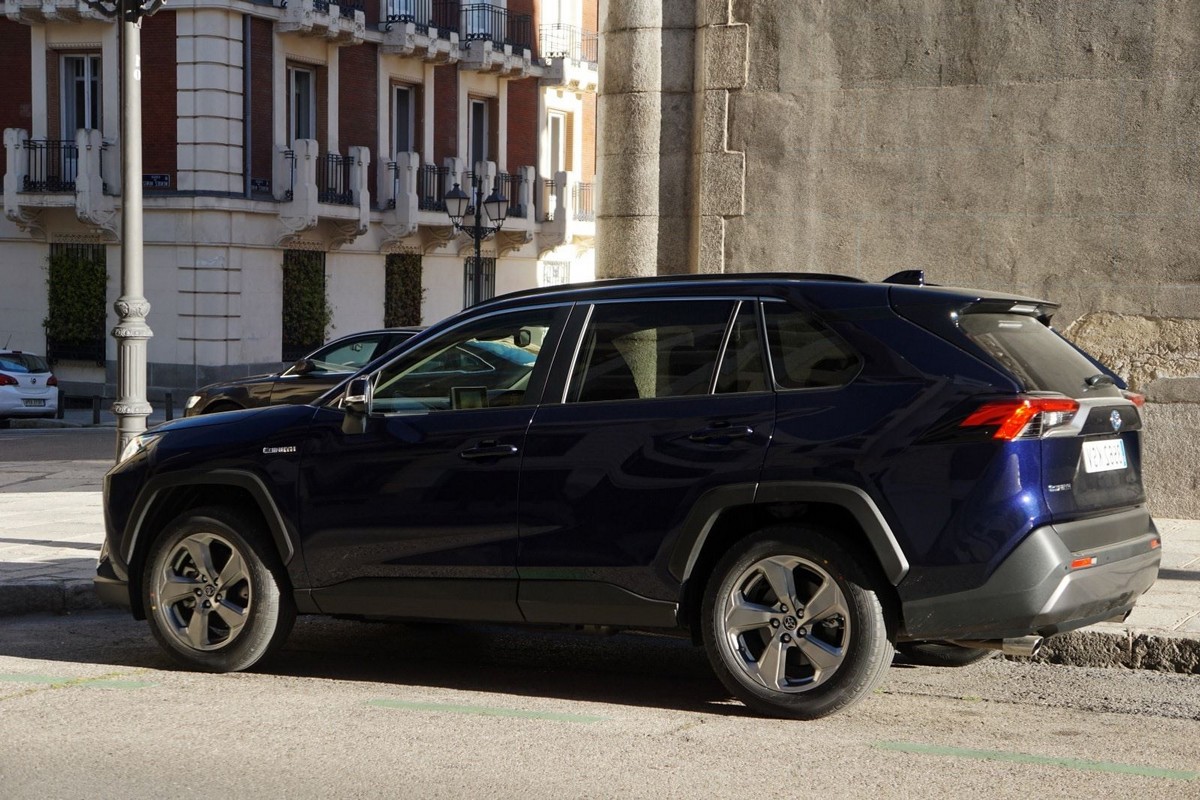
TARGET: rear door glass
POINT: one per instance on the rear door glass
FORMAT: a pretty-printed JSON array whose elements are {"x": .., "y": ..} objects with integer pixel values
[
  {"x": 804, "y": 353},
  {"x": 1034, "y": 354}
]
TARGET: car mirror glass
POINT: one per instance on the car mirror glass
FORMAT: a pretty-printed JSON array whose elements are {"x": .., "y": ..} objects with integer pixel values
[{"x": 303, "y": 367}]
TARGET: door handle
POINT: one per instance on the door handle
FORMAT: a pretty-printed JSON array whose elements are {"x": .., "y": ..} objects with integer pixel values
[
  {"x": 722, "y": 432},
  {"x": 489, "y": 450}
]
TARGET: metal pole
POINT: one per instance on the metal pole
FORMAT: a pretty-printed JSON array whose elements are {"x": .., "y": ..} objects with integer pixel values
[{"x": 131, "y": 332}]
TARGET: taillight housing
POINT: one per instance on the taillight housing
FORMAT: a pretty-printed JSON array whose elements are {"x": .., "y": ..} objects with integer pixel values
[
  {"x": 1135, "y": 398},
  {"x": 52, "y": 382},
  {"x": 1023, "y": 417},
  {"x": 7, "y": 380}
]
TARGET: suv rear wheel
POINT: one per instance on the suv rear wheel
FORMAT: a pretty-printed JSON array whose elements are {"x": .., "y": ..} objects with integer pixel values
[
  {"x": 217, "y": 599},
  {"x": 792, "y": 626}
]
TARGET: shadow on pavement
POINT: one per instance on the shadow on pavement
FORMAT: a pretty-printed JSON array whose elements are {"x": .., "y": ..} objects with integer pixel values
[{"x": 626, "y": 669}]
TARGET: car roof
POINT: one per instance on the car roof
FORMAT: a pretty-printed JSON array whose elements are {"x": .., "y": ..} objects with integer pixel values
[{"x": 743, "y": 281}]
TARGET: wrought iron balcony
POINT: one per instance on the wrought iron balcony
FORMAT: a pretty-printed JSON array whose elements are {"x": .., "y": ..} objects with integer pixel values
[
  {"x": 495, "y": 40},
  {"x": 570, "y": 58},
  {"x": 567, "y": 213},
  {"x": 316, "y": 18},
  {"x": 43, "y": 174},
  {"x": 315, "y": 187},
  {"x": 426, "y": 29}
]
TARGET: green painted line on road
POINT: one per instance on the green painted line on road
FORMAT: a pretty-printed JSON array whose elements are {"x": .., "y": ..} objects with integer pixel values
[
  {"x": 103, "y": 682},
  {"x": 485, "y": 711},
  {"x": 1045, "y": 761}
]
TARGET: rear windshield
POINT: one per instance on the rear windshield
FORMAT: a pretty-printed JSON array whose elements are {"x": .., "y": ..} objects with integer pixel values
[
  {"x": 23, "y": 363},
  {"x": 1034, "y": 354}
]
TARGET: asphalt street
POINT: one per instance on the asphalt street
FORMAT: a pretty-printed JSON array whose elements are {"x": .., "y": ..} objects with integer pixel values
[{"x": 90, "y": 707}]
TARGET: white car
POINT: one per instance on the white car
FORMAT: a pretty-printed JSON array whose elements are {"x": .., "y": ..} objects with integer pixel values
[{"x": 27, "y": 387}]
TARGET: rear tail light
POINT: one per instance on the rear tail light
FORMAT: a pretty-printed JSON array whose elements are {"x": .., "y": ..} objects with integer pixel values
[
  {"x": 1023, "y": 417},
  {"x": 52, "y": 382},
  {"x": 1135, "y": 398},
  {"x": 7, "y": 380}
]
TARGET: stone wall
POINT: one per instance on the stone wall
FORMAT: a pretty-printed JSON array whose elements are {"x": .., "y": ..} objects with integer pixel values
[{"x": 1049, "y": 148}]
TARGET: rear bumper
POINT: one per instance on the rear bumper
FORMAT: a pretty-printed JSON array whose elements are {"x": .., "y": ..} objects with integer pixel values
[{"x": 1036, "y": 591}]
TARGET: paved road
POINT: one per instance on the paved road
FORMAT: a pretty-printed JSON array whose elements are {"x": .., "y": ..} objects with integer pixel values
[
  {"x": 89, "y": 707},
  {"x": 55, "y": 460}
]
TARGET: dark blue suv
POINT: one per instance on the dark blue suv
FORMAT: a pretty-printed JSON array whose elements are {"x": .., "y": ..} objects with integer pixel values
[{"x": 803, "y": 472}]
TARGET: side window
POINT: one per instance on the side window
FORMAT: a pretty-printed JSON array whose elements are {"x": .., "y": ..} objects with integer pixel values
[
  {"x": 804, "y": 353},
  {"x": 646, "y": 349},
  {"x": 742, "y": 368},
  {"x": 347, "y": 354},
  {"x": 486, "y": 363}
]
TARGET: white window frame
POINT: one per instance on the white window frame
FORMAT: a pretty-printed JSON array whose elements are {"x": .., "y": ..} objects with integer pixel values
[
  {"x": 473, "y": 106},
  {"x": 403, "y": 96},
  {"x": 293, "y": 93},
  {"x": 557, "y": 150},
  {"x": 91, "y": 84}
]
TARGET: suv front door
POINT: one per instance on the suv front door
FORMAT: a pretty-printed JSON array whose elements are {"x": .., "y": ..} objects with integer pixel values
[
  {"x": 644, "y": 430},
  {"x": 417, "y": 515}
]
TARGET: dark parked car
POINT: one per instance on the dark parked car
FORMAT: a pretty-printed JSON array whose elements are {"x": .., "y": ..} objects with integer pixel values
[
  {"x": 803, "y": 472},
  {"x": 304, "y": 381}
]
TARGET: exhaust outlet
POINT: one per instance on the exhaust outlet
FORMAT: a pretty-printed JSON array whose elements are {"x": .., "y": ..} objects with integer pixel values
[{"x": 1019, "y": 646}]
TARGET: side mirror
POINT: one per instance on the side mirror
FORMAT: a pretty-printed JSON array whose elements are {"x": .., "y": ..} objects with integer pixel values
[
  {"x": 522, "y": 338},
  {"x": 356, "y": 405},
  {"x": 303, "y": 367}
]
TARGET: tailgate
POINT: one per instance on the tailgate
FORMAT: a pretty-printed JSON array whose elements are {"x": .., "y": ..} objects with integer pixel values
[{"x": 1094, "y": 463}]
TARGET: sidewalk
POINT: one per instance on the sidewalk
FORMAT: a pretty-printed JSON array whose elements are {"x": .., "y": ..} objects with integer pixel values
[{"x": 50, "y": 540}]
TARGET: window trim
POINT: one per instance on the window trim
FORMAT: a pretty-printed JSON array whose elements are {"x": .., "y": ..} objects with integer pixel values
[
  {"x": 411, "y": 104},
  {"x": 93, "y": 87},
  {"x": 294, "y": 111}
]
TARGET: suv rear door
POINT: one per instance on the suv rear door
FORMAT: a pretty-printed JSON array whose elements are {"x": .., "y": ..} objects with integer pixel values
[{"x": 643, "y": 424}]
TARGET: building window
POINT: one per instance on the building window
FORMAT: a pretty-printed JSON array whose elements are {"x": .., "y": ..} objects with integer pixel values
[
  {"x": 558, "y": 142},
  {"x": 478, "y": 144},
  {"x": 76, "y": 309},
  {"x": 403, "y": 120},
  {"x": 555, "y": 273},
  {"x": 80, "y": 93},
  {"x": 306, "y": 310},
  {"x": 302, "y": 94},
  {"x": 479, "y": 280}
]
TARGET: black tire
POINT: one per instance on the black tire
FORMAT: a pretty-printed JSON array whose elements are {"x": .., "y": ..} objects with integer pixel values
[
  {"x": 243, "y": 584},
  {"x": 848, "y": 634},
  {"x": 942, "y": 654}
]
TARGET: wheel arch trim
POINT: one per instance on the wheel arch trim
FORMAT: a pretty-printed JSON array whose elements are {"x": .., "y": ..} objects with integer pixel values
[
  {"x": 854, "y": 500},
  {"x": 242, "y": 479}
]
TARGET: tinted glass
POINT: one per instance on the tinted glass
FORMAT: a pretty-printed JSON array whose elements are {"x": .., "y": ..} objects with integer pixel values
[
  {"x": 23, "y": 363},
  {"x": 804, "y": 353},
  {"x": 482, "y": 364},
  {"x": 644, "y": 349},
  {"x": 742, "y": 368},
  {"x": 348, "y": 356},
  {"x": 1034, "y": 354}
]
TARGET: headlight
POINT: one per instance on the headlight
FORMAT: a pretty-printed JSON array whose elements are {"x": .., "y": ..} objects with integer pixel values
[
  {"x": 136, "y": 445},
  {"x": 191, "y": 402}
]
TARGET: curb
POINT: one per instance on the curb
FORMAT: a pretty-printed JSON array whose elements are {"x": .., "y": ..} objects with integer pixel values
[
  {"x": 1129, "y": 648},
  {"x": 54, "y": 597}
]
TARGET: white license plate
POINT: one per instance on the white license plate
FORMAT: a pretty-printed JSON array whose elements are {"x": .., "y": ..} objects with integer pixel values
[
  {"x": 35, "y": 403},
  {"x": 1104, "y": 456}
]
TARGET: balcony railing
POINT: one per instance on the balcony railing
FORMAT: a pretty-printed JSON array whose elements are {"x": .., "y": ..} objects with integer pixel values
[
  {"x": 423, "y": 14},
  {"x": 431, "y": 187},
  {"x": 289, "y": 158},
  {"x": 569, "y": 41},
  {"x": 53, "y": 165},
  {"x": 585, "y": 210},
  {"x": 333, "y": 180},
  {"x": 348, "y": 7},
  {"x": 509, "y": 185},
  {"x": 548, "y": 190},
  {"x": 486, "y": 22}
]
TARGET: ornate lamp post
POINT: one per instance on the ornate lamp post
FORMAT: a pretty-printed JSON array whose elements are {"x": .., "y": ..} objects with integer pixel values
[
  {"x": 131, "y": 331},
  {"x": 495, "y": 208}
]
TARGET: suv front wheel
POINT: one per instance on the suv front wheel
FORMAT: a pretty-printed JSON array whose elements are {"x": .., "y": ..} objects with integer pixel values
[
  {"x": 792, "y": 626},
  {"x": 217, "y": 598}
]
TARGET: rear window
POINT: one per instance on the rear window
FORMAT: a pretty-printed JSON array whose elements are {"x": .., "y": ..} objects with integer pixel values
[
  {"x": 23, "y": 363},
  {"x": 1034, "y": 354}
]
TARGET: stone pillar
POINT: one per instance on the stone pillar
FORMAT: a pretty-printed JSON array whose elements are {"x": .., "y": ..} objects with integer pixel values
[{"x": 644, "y": 222}]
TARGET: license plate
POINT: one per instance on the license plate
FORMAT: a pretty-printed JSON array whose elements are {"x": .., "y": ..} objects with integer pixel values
[
  {"x": 1104, "y": 456},
  {"x": 35, "y": 403}
]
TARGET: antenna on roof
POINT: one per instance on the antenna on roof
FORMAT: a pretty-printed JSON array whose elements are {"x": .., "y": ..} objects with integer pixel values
[
  {"x": 908, "y": 277},
  {"x": 6, "y": 341}
]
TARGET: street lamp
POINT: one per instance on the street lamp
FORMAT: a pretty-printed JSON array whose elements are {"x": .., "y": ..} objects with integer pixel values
[
  {"x": 495, "y": 208},
  {"x": 131, "y": 332}
]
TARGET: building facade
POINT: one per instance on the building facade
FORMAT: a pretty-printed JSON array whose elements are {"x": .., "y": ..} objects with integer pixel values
[
  {"x": 1046, "y": 148},
  {"x": 296, "y": 156}
]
